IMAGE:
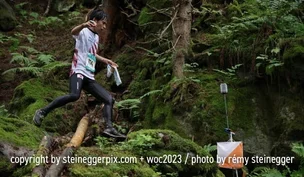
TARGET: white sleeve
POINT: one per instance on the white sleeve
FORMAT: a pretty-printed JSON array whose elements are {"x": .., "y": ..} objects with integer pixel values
[{"x": 79, "y": 35}]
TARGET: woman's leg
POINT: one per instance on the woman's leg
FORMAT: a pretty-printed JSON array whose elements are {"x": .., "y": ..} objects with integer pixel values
[
  {"x": 76, "y": 81},
  {"x": 103, "y": 95}
]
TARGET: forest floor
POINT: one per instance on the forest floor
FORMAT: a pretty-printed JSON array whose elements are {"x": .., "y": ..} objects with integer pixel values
[{"x": 54, "y": 40}]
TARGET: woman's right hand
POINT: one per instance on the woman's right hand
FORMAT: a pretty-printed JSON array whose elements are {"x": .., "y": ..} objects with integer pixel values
[{"x": 90, "y": 23}]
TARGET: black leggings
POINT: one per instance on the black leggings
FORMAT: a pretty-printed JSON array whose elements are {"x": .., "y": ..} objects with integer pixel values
[{"x": 77, "y": 82}]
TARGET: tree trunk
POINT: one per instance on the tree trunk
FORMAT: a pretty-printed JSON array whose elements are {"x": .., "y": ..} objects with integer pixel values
[
  {"x": 181, "y": 34},
  {"x": 107, "y": 36}
]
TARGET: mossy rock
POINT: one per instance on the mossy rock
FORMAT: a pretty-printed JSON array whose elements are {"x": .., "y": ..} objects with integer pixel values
[
  {"x": 111, "y": 169},
  {"x": 20, "y": 132},
  {"x": 35, "y": 94},
  {"x": 160, "y": 143},
  {"x": 144, "y": 143}
]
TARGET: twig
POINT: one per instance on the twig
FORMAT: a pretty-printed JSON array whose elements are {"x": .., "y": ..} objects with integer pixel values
[
  {"x": 162, "y": 33},
  {"x": 48, "y": 8},
  {"x": 159, "y": 11},
  {"x": 134, "y": 11}
]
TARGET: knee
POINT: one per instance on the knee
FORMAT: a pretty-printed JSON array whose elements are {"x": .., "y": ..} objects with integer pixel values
[
  {"x": 110, "y": 100},
  {"x": 74, "y": 97}
]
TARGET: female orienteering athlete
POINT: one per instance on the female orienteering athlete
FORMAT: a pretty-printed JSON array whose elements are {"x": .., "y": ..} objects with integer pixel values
[{"x": 82, "y": 71}]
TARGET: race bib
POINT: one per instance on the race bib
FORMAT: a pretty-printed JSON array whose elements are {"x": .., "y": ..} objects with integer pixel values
[{"x": 90, "y": 63}]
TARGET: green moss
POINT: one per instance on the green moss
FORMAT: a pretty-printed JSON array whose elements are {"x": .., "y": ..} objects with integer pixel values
[
  {"x": 19, "y": 132},
  {"x": 173, "y": 145},
  {"x": 110, "y": 170},
  {"x": 5, "y": 165},
  {"x": 35, "y": 94},
  {"x": 30, "y": 96}
]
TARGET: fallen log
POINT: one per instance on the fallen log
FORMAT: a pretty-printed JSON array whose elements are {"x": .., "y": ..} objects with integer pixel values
[
  {"x": 56, "y": 168},
  {"x": 43, "y": 151},
  {"x": 77, "y": 139}
]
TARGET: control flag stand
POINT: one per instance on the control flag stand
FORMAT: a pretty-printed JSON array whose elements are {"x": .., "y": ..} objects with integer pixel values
[{"x": 229, "y": 152}]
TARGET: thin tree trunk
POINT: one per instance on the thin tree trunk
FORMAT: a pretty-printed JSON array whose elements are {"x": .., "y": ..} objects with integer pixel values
[
  {"x": 181, "y": 34},
  {"x": 108, "y": 35}
]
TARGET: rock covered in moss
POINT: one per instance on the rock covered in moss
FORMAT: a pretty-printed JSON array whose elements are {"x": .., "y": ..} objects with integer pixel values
[
  {"x": 168, "y": 144},
  {"x": 109, "y": 169},
  {"x": 141, "y": 145},
  {"x": 17, "y": 133},
  {"x": 35, "y": 94}
]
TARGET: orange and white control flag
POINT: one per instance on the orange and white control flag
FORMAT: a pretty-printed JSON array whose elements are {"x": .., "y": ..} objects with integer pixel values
[{"x": 230, "y": 155}]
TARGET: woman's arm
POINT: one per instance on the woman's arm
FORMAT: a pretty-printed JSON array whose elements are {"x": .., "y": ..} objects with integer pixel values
[
  {"x": 106, "y": 61},
  {"x": 76, "y": 30}
]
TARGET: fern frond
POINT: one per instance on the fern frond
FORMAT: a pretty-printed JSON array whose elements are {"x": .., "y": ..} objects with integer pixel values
[
  {"x": 150, "y": 93},
  {"x": 265, "y": 172},
  {"x": 30, "y": 49},
  {"x": 298, "y": 149},
  {"x": 22, "y": 60},
  {"x": 128, "y": 103},
  {"x": 35, "y": 71},
  {"x": 45, "y": 58},
  {"x": 210, "y": 148}
]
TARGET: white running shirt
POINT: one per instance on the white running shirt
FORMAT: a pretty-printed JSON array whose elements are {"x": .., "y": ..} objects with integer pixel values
[{"x": 86, "y": 43}]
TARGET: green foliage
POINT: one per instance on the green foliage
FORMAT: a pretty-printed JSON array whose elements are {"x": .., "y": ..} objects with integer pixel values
[
  {"x": 128, "y": 104},
  {"x": 266, "y": 172},
  {"x": 103, "y": 142},
  {"x": 20, "y": 9},
  {"x": 298, "y": 149},
  {"x": 231, "y": 72},
  {"x": 140, "y": 143},
  {"x": 270, "y": 64},
  {"x": 210, "y": 148},
  {"x": 42, "y": 21},
  {"x": 251, "y": 27},
  {"x": 150, "y": 93},
  {"x": 4, "y": 112},
  {"x": 14, "y": 42},
  {"x": 45, "y": 58},
  {"x": 30, "y": 62}
]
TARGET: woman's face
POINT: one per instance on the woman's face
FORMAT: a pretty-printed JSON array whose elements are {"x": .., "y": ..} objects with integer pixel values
[{"x": 100, "y": 25}]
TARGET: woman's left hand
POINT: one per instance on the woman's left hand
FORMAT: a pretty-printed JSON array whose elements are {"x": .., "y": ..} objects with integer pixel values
[{"x": 112, "y": 63}]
